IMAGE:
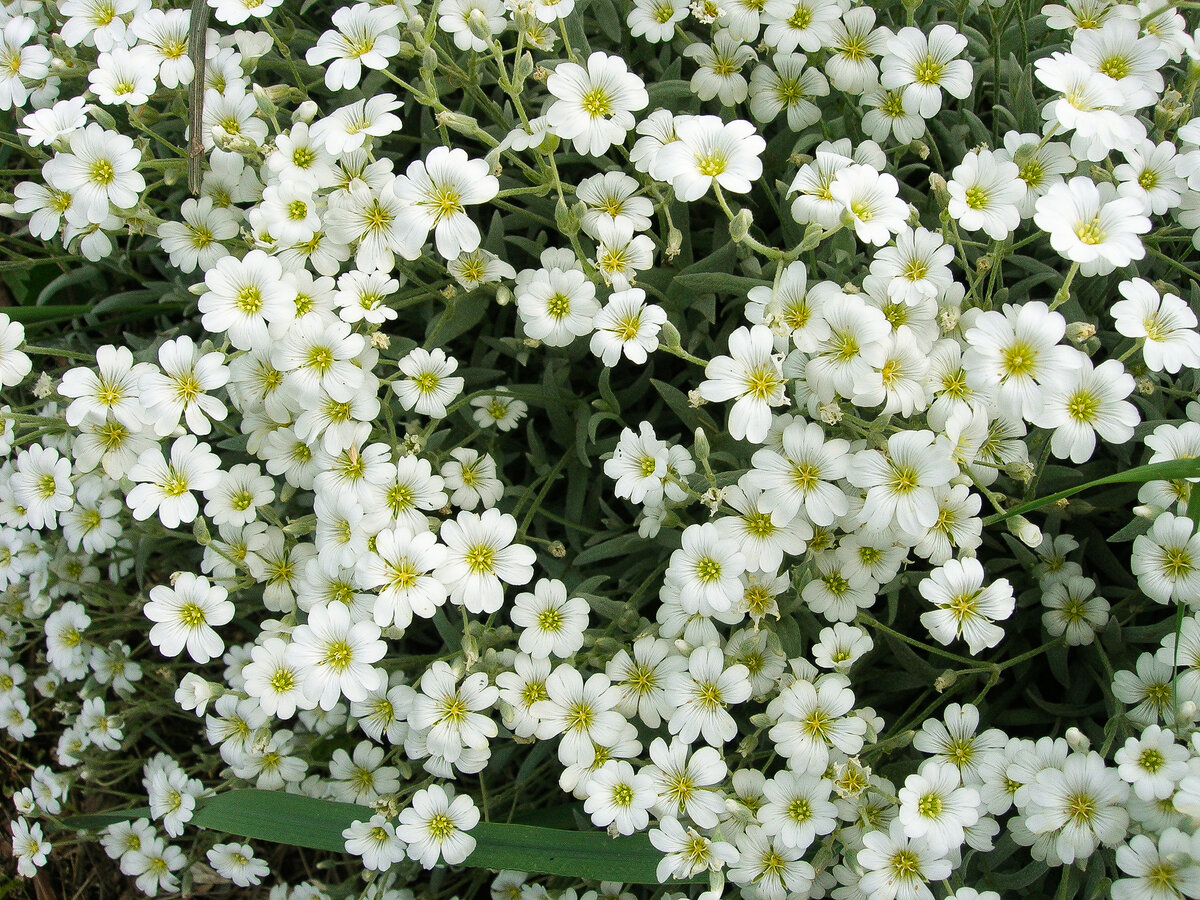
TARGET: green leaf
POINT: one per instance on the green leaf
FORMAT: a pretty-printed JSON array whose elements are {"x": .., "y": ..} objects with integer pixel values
[
  {"x": 692, "y": 417},
  {"x": 618, "y": 546},
  {"x": 318, "y": 824},
  {"x": 1170, "y": 470}
]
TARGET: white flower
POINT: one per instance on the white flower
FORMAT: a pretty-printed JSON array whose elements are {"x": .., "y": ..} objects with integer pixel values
[
  {"x": 243, "y": 296},
  {"x": 399, "y": 568},
  {"x": 807, "y": 24},
  {"x": 29, "y": 847},
  {"x": 471, "y": 479},
  {"x": 710, "y": 150},
  {"x": 935, "y": 807},
  {"x": 434, "y": 194},
  {"x": 789, "y": 85},
  {"x": 376, "y": 842},
  {"x": 1158, "y": 872},
  {"x": 100, "y": 169},
  {"x": 435, "y": 826},
  {"x": 455, "y": 18},
  {"x": 594, "y": 106},
  {"x": 810, "y": 718},
  {"x": 924, "y": 66},
  {"x": 238, "y": 863},
  {"x": 899, "y": 867},
  {"x": 619, "y": 799},
  {"x": 753, "y": 374},
  {"x": 1165, "y": 323},
  {"x": 349, "y": 127},
  {"x": 124, "y": 76},
  {"x": 556, "y": 305},
  {"x": 627, "y": 325},
  {"x": 364, "y": 36},
  {"x": 870, "y": 199},
  {"x": 481, "y": 554},
  {"x": 1166, "y": 561},
  {"x": 195, "y": 242},
  {"x": 720, "y": 68},
  {"x": 966, "y": 608},
  {"x": 802, "y": 474},
  {"x": 1072, "y": 612},
  {"x": 334, "y": 655},
  {"x": 1079, "y": 806},
  {"x": 655, "y": 20},
  {"x": 274, "y": 681},
  {"x": 707, "y": 570},
  {"x": 429, "y": 385},
  {"x": 984, "y": 192},
  {"x": 166, "y": 486},
  {"x": 499, "y": 410},
  {"x": 1153, "y": 763},
  {"x": 1016, "y": 352},
  {"x": 797, "y": 809},
  {"x": 1089, "y": 224},
  {"x": 900, "y": 484},
  {"x": 42, "y": 485},
  {"x": 704, "y": 693},
  {"x": 551, "y": 625},
  {"x": 688, "y": 853},
  {"x": 581, "y": 712},
  {"x": 182, "y": 388},
  {"x": 238, "y": 496},
  {"x": 20, "y": 61},
  {"x": 773, "y": 870},
  {"x": 184, "y": 616},
  {"x": 1083, "y": 402}
]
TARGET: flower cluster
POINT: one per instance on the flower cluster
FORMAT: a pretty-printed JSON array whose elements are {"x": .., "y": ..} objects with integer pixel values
[{"x": 671, "y": 410}]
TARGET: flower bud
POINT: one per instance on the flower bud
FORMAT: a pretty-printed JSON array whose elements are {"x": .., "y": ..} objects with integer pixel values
[
  {"x": 701, "y": 448},
  {"x": 478, "y": 24},
  {"x": 670, "y": 336},
  {"x": 1025, "y": 531},
  {"x": 1078, "y": 740},
  {"x": 263, "y": 100},
  {"x": 812, "y": 236},
  {"x": 565, "y": 219},
  {"x": 739, "y": 225}
]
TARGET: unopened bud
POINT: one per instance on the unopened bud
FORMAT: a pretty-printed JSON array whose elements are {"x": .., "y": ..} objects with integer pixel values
[
  {"x": 812, "y": 237},
  {"x": 306, "y": 112},
  {"x": 565, "y": 219},
  {"x": 1188, "y": 710},
  {"x": 467, "y": 125},
  {"x": 670, "y": 336},
  {"x": 200, "y": 531},
  {"x": 1025, "y": 531},
  {"x": 739, "y": 225},
  {"x": 429, "y": 61},
  {"x": 1078, "y": 740},
  {"x": 265, "y": 104},
  {"x": 477, "y": 22},
  {"x": 701, "y": 448}
]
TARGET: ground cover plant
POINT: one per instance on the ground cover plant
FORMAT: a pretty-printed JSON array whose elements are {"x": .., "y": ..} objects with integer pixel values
[{"x": 584, "y": 449}]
